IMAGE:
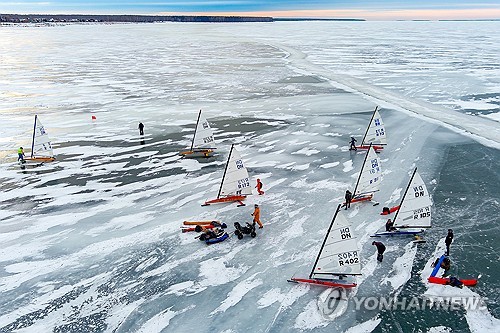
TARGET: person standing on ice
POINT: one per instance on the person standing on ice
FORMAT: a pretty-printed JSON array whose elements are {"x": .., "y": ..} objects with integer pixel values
[
  {"x": 256, "y": 216},
  {"x": 141, "y": 128},
  {"x": 259, "y": 187},
  {"x": 448, "y": 240},
  {"x": 380, "y": 250},
  {"x": 353, "y": 144},
  {"x": 20, "y": 154},
  {"x": 348, "y": 198}
]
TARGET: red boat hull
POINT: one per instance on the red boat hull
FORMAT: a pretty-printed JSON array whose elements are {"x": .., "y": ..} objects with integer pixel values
[
  {"x": 440, "y": 280},
  {"x": 197, "y": 153},
  {"x": 391, "y": 210},
  {"x": 233, "y": 198},
  {"x": 324, "y": 283},
  {"x": 375, "y": 147},
  {"x": 206, "y": 226},
  {"x": 40, "y": 159},
  {"x": 359, "y": 199},
  {"x": 199, "y": 222}
]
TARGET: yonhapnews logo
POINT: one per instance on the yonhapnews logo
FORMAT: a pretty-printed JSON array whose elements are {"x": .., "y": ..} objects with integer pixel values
[{"x": 336, "y": 301}]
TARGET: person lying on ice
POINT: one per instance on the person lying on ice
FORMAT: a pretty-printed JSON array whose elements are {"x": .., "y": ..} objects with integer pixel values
[{"x": 211, "y": 233}]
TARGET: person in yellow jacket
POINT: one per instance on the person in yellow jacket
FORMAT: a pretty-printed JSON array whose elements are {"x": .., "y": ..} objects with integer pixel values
[
  {"x": 256, "y": 216},
  {"x": 20, "y": 153}
]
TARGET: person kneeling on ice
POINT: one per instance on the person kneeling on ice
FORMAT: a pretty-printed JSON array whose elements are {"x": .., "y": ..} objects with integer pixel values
[
  {"x": 389, "y": 225},
  {"x": 455, "y": 282},
  {"x": 353, "y": 144},
  {"x": 380, "y": 250},
  {"x": 446, "y": 265}
]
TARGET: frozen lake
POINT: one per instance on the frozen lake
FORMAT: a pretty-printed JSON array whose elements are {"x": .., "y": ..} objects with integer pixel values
[{"x": 92, "y": 242}]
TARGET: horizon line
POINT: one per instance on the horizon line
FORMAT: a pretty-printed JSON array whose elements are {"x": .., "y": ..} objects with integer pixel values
[
  {"x": 368, "y": 15},
  {"x": 284, "y": 18}
]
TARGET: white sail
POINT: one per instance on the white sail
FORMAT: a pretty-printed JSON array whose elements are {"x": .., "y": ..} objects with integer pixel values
[
  {"x": 376, "y": 131},
  {"x": 236, "y": 181},
  {"x": 415, "y": 209},
  {"x": 370, "y": 176},
  {"x": 339, "y": 254},
  {"x": 203, "y": 136},
  {"x": 41, "y": 143}
]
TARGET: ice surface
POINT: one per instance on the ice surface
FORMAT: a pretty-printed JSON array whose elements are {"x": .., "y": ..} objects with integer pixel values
[{"x": 92, "y": 242}]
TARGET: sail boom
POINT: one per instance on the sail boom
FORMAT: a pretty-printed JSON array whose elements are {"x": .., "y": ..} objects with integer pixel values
[{"x": 338, "y": 274}]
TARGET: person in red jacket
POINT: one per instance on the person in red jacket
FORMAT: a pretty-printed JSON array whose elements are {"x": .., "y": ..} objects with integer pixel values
[{"x": 259, "y": 187}]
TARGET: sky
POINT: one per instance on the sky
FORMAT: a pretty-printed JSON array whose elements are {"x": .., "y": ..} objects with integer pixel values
[{"x": 370, "y": 10}]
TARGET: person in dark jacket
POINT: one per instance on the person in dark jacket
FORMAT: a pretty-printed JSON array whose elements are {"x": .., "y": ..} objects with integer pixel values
[
  {"x": 348, "y": 198},
  {"x": 353, "y": 144},
  {"x": 380, "y": 250},
  {"x": 141, "y": 128},
  {"x": 448, "y": 241},
  {"x": 389, "y": 225}
]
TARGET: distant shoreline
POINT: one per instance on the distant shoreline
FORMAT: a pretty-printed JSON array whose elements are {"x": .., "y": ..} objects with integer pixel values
[{"x": 80, "y": 18}]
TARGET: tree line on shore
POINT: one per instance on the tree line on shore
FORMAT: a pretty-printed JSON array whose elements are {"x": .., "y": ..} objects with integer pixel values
[{"x": 41, "y": 18}]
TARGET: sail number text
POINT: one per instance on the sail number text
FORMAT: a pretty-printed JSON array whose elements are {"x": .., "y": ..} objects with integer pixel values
[
  {"x": 239, "y": 164},
  {"x": 419, "y": 191},
  {"x": 348, "y": 258},
  {"x": 242, "y": 183},
  {"x": 421, "y": 213},
  {"x": 208, "y": 139},
  {"x": 345, "y": 233}
]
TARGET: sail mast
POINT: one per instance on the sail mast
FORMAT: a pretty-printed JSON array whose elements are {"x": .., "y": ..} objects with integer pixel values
[
  {"x": 404, "y": 195},
  {"x": 225, "y": 169},
  {"x": 361, "y": 171},
  {"x": 369, "y": 124},
  {"x": 33, "y": 141},
  {"x": 195, "y": 129},
  {"x": 324, "y": 241}
]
